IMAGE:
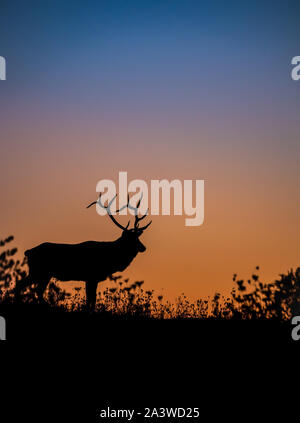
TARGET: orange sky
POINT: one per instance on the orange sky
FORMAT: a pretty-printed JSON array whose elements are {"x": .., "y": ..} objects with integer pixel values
[{"x": 251, "y": 208}]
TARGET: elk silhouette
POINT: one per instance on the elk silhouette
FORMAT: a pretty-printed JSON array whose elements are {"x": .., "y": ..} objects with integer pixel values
[{"x": 90, "y": 261}]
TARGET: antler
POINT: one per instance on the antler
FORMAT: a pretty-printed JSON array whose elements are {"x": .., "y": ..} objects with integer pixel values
[
  {"x": 129, "y": 206},
  {"x": 137, "y": 218},
  {"x": 136, "y": 211},
  {"x": 124, "y": 228}
]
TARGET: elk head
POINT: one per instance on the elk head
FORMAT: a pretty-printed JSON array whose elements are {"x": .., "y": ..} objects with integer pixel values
[{"x": 129, "y": 235}]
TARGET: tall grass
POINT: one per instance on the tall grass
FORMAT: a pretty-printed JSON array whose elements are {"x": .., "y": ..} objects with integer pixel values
[{"x": 251, "y": 299}]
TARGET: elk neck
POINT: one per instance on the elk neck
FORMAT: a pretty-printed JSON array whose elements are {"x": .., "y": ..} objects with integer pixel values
[{"x": 126, "y": 251}]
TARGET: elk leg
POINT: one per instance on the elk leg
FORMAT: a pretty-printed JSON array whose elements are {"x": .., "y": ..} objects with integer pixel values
[{"x": 91, "y": 292}]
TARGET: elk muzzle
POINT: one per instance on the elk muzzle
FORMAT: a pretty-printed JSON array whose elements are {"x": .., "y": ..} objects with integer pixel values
[{"x": 141, "y": 247}]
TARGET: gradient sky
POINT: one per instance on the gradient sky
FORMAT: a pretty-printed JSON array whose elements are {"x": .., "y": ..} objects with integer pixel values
[{"x": 160, "y": 89}]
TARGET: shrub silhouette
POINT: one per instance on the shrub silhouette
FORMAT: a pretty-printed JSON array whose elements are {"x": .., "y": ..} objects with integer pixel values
[
  {"x": 277, "y": 300},
  {"x": 12, "y": 271},
  {"x": 251, "y": 299}
]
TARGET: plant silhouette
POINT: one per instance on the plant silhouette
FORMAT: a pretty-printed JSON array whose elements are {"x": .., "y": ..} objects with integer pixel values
[{"x": 250, "y": 300}]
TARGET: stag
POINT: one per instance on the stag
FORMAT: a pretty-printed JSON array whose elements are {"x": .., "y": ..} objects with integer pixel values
[{"x": 90, "y": 261}]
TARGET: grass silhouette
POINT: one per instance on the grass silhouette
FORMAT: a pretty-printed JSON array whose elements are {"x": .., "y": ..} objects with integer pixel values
[{"x": 251, "y": 299}]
